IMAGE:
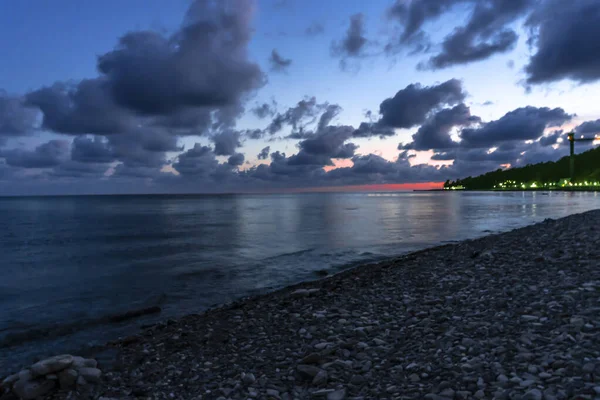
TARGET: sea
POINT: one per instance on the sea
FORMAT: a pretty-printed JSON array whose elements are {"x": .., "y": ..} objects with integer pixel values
[{"x": 69, "y": 265}]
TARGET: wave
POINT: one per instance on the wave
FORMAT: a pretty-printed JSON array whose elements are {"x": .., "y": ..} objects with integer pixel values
[
  {"x": 56, "y": 330},
  {"x": 293, "y": 253}
]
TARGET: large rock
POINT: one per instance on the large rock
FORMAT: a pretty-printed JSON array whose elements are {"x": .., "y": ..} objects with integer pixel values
[
  {"x": 52, "y": 364},
  {"x": 27, "y": 390},
  {"x": 91, "y": 374},
  {"x": 9, "y": 381},
  {"x": 67, "y": 378},
  {"x": 308, "y": 371},
  {"x": 80, "y": 362}
]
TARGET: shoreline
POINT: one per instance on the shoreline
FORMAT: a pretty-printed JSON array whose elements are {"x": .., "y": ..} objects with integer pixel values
[{"x": 370, "y": 331}]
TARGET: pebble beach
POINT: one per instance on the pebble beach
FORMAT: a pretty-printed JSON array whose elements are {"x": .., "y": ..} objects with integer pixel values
[{"x": 514, "y": 315}]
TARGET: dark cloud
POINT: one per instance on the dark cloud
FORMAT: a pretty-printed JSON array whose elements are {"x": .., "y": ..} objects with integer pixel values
[
  {"x": 236, "y": 159},
  {"x": 353, "y": 44},
  {"x": 566, "y": 42},
  {"x": 314, "y": 29},
  {"x": 435, "y": 132},
  {"x": 254, "y": 133},
  {"x": 265, "y": 110},
  {"x": 369, "y": 129},
  {"x": 589, "y": 127},
  {"x": 197, "y": 161},
  {"x": 74, "y": 169},
  {"x": 143, "y": 147},
  {"x": 264, "y": 153},
  {"x": 487, "y": 30},
  {"x": 226, "y": 142},
  {"x": 91, "y": 150},
  {"x": 204, "y": 63},
  {"x": 278, "y": 63},
  {"x": 411, "y": 105},
  {"x": 413, "y": 14},
  {"x": 49, "y": 154},
  {"x": 331, "y": 111},
  {"x": 85, "y": 107},
  {"x": 526, "y": 123},
  {"x": 485, "y": 34},
  {"x": 16, "y": 119},
  {"x": 549, "y": 140},
  {"x": 298, "y": 117}
]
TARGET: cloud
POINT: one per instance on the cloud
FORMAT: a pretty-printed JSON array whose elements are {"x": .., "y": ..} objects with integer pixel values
[
  {"x": 197, "y": 161},
  {"x": 369, "y": 129},
  {"x": 16, "y": 119},
  {"x": 435, "y": 132},
  {"x": 298, "y": 117},
  {"x": 314, "y": 29},
  {"x": 592, "y": 127},
  {"x": 278, "y": 63},
  {"x": 226, "y": 142},
  {"x": 78, "y": 170},
  {"x": 91, "y": 150},
  {"x": 49, "y": 154},
  {"x": 264, "y": 153},
  {"x": 413, "y": 14},
  {"x": 81, "y": 108},
  {"x": 525, "y": 123},
  {"x": 486, "y": 33},
  {"x": 353, "y": 44},
  {"x": 565, "y": 42},
  {"x": 411, "y": 105},
  {"x": 202, "y": 64},
  {"x": 265, "y": 110},
  {"x": 549, "y": 140},
  {"x": 236, "y": 160}
]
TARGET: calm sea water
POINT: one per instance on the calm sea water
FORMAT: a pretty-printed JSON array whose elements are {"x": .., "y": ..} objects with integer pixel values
[{"x": 66, "y": 263}]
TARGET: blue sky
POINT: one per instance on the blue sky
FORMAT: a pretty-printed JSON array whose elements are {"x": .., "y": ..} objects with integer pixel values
[{"x": 60, "y": 41}]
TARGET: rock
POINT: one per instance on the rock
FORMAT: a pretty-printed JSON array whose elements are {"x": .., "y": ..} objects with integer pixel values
[
  {"x": 308, "y": 371},
  {"x": 414, "y": 378},
  {"x": 32, "y": 389},
  {"x": 312, "y": 358},
  {"x": 67, "y": 378},
  {"x": 480, "y": 394},
  {"x": 337, "y": 395},
  {"x": 249, "y": 378},
  {"x": 25, "y": 375},
  {"x": 588, "y": 368},
  {"x": 52, "y": 364},
  {"x": 529, "y": 318},
  {"x": 533, "y": 394},
  {"x": 80, "y": 362},
  {"x": 9, "y": 381},
  {"x": 357, "y": 380},
  {"x": 320, "y": 378},
  {"x": 90, "y": 374},
  {"x": 300, "y": 293},
  {"x": 81, "y": 381},
  {"x": 273, "y": 393}
]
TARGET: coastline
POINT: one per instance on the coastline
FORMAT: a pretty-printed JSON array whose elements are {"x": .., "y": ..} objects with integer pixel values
[{"x": 480, "y": 318}]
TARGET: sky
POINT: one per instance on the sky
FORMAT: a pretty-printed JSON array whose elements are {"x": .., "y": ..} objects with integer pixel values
[{"x": 148, "y": 96}]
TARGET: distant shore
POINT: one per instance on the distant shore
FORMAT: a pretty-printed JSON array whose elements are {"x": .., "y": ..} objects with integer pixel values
[
  {"x": 512, "y": 315},
  {"x": 565, "y": 189}
]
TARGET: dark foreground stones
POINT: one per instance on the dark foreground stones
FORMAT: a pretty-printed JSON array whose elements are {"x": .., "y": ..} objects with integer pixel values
[{"x": 508, "y": 316}]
